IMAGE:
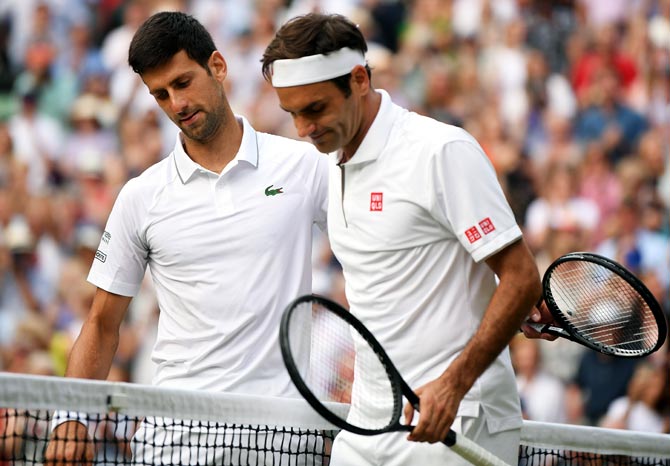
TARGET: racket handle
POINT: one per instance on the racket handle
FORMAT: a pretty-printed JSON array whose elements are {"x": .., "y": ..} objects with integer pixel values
[
  {"x": 472, "y": 452},
  {"x": 550, "y": 329}
]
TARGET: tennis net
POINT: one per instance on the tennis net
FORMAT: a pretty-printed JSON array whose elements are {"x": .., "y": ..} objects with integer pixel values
[
  {"x": 136, "y": 424},
  {"x": 563, "y": 444}
]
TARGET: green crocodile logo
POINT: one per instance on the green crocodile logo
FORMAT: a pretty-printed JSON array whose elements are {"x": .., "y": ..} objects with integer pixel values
[{"x": 273, "y": 192}]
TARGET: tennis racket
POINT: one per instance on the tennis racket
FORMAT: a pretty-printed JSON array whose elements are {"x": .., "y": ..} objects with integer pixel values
[
  {"x": 325, "y": 348},
  {"x": 598, "y": 303}
]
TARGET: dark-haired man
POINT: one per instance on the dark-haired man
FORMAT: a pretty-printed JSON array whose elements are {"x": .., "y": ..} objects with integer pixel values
[{"x": 225, "y": 225}]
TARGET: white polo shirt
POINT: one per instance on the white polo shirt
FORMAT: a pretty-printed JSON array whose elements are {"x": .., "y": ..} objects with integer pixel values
[
  {"x": 411, "y": 217},
  {"x": 226, "y": 252}
]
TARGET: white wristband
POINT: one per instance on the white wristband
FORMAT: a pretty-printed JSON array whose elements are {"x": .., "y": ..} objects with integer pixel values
[{"x": 61, "y": 417}]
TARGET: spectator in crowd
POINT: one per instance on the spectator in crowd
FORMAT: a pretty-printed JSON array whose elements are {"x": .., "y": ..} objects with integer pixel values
[
  {"x": 641, "y": 409},
  {"x": 636, "y": 247},
  {"x": 599, "y": 183},
  {"x": 89, "y": 143},
  {"x": 504, "y": 71},
  {"x": 549, "y": 26},
  {"x": 555, "y": 144},
  {"x": 605, "y": 53},
  {"x": 24, "y": 433},
  {"x": 81, "y": 58},
  {"x": 608, "y": 119},
  {"x": 25, "y": 290},
  {"x": 499, "y": 146},
  {"x": 55, "y": 92},
  {"x": 535, "y": 385},
  {"x": 652, "y": 153},
  {"x": 38, "y": 140},
  {"x": 10, "y": 169},
  {"x": 560, "y": 207},
  {"x": 7, "y": 71},
  {"x": 600, "y": 379}
]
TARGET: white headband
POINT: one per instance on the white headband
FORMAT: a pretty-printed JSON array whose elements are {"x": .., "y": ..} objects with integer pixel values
[{"x": 315, "y": 68}]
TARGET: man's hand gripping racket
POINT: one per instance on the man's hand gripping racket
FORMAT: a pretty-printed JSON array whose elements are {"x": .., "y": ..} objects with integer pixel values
[
  {"x": 596, "y": 302},
  {"x": 325, "y": 348}
]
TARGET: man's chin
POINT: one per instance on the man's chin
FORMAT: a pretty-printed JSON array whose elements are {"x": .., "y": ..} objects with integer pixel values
[
  {"x": 196, "y": 136},
  {"x": 324, "y": 147}
]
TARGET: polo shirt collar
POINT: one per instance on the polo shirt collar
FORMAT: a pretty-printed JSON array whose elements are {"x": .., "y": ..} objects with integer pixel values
[
  {"x": 378, "y": 134},
  {"x": 248, "y": 152}
]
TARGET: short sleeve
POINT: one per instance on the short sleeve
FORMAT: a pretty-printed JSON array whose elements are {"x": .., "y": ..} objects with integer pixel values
[
  {"x": 469, "y": 200},
  {"x": 121, "y": 258}
]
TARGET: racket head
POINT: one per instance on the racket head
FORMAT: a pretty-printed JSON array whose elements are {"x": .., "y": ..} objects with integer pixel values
[
  {"x": 604, "y": 306},
  {"x": 323, "y": 345}
]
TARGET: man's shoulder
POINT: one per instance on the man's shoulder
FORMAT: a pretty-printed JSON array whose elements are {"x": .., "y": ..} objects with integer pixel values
[
  {"x": 424, "y": 128},
  {"x": 301, "y": 155},
  {"x": 154, "y": 177},
  {"x": 283, "y": 144},
  {"x": 428, "y": 137}
]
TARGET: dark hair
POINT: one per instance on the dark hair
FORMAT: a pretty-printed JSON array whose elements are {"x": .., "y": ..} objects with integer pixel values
[
  {"x": 164, "y": 35},
  {"x": 314, "y": 34}
]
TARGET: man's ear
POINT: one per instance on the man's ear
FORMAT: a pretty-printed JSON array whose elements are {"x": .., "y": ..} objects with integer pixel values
[
  {"x": 218, "y": 66},
  {"x": 360, "y": 80}
]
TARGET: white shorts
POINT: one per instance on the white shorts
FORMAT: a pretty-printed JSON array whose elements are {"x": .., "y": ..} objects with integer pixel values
[
  {"x": 393, "y": 449},
  {"x": 214, "y": 445}
]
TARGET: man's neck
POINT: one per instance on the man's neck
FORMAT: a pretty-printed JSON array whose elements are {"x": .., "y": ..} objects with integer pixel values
[
  {"x": 372, "y": 103},
  {"x": 216, "y": 153}
]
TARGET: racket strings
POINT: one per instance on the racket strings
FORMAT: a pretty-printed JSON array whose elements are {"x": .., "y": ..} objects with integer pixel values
[
  {"x": 603, "y": 306},
  {"x": 337, "y": 354}
]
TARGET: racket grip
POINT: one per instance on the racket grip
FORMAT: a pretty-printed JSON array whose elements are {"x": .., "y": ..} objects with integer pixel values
[
  {"x": 550, "y": 329},
  {"x": 537, "y": 327},
  {"x": 472, "y": 452}
]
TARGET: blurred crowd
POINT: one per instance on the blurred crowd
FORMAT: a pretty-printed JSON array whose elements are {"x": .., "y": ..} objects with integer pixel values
[{"x": 570, "y": 99}]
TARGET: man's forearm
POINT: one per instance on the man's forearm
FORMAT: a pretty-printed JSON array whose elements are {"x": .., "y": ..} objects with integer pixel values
[
  {"x": 518, "y": 291},
  {"x": 93, "y": 351},
  {"x": 501, "y": 322}
]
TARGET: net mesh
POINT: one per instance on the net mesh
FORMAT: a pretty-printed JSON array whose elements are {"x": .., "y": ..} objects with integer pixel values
[
  {"x": 133, "y": 424},
  {"x": 531, "y": 456},
  {"x": 561, "y": 444},
  {"x": 115, "y": 439}
]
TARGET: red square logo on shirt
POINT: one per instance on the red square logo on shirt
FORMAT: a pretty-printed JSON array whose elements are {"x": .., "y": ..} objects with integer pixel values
[
  {"x": 376, "y": 202},
  {"x": 473, "y": 234},
  {"x": 487, "y": 226}
]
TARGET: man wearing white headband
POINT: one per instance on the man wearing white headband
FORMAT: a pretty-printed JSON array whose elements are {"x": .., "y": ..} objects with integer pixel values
[{"x": 421, "y": 227}]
